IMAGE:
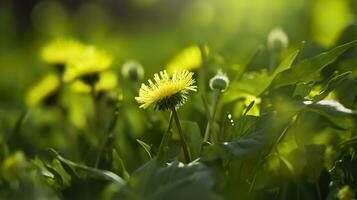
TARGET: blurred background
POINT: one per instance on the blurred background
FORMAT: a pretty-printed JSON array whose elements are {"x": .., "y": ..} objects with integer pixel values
[
  {"x": 153, "y": 31},
  {"x": 232, "y": 34}
]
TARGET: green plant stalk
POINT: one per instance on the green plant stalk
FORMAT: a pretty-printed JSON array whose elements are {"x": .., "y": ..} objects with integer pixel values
[
  {"x": 203, "y": 70},
  {"x": 318, "y": 190},
  {"x": 217, "y": 94},
  {"x": 96, "y": 125},
  {"x": 109, "y": 131},
  {"x": 182, "y": 137},
  {"x": 272, "y": 63}
]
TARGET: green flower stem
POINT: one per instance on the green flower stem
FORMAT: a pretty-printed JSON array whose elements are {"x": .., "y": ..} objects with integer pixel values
[
  {"x": 273, "y": 61},
  {"x": 96, "y": 125},
  {"x": 182, "y": 137},
  {"x": 217, "y": 94},
  {"x": 106, "y": 136}
]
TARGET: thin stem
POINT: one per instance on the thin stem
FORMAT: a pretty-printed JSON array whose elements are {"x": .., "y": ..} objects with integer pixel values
[
  {"x": 182, "y": 137},
  {"x": 213, "y": 113},
  {"x": 272, "y": 64},
  {"x": 108, "y": 132},
  {"x": 318, "y": 190},
  {"x": 96, "y": 125}
]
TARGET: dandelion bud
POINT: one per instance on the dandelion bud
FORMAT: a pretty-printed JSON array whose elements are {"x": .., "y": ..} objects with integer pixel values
[
  {"x": 133, "y": 70},
  {"x": 220, "y": 81},
  {"x": 277, "y": 40}
]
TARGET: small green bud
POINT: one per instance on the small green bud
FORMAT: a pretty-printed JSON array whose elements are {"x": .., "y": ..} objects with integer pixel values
[
  {"x": 220, "y": 81},
  {"x": 133, "y": 70},
  {"x": 277, "y": 40}
]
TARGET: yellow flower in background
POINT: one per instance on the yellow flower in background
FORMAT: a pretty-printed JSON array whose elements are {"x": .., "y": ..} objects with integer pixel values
[
  {"x": 90, "y": 63},
  {"x": 167, "y": 91},
  {"x": 189, "y": 58},
  {"x": 44, "y": 89},
  {"x": 60, "y": 51},
  {"x": 13, "y": 166},
  {"x": 346, "y": 193},
  {"x": 107, "y": 81}
]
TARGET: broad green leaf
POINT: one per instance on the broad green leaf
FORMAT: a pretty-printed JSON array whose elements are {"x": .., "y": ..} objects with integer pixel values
[
  {"x": 347, "y": 92},
  {"x": 256, "y": 83},
  {"x": 242, "y": 127},
  {"x": 175, "y": 181},
  {"x": 307, "y": 70},
  {"x": 331, "y": 85},
  {"x": 251, "y": 146},
  {"x": 193, "y": 137},
  {"x": 334, "y": 111},
  {"x": 246, "y": 148},
  {"x": 302, "y": 90},
  {"x": 286, "y": 63},
  {"x": 253, "y": 83}
]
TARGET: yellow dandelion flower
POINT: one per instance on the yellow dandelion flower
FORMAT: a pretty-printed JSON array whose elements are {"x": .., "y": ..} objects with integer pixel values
[
  {"x": 167, "y": 91},
  {"x": 90, "y": 63},
  {"x": 189, "y": 58},
  {"x": 61, "y": 50},
  {"x": 13, "y": 166},
  {"x": 346, "y": 193},
  {"x": 43, "y": 90},
  {"x": 107, "y": 81}
]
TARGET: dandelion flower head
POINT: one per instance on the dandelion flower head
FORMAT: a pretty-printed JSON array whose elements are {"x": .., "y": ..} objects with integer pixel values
[
  {"x": 166, "y": 91},
  {"x": 91, "y": 62},
  {"x": 61, "y": 50},
  {"x": 44, "y": 89},
  {"x": 107, "y": 81}
]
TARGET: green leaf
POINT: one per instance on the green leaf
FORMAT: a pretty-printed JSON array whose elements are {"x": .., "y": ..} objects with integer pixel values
[
  {"x": 307, "y": 70},
  {"x": 146, "y": 147},
  {"x": 118, "y": 165},
  {"x": 176, "y": 181},
  {"x": 60, "y": 174},
  {"x": 251, "y": 146},
  {"x": 331, "y": 85},
  {"x": 347, "y": 92},
  {"x": 256, "y": 83},
  {"x": 334, "y": 111},
  {"x": 102, "y": 174},
  {"x": 302, "y": 90},
  {"x": 242, "y": 127},
  {"x": 308, "y": 161},
  {"x": 253, "y": 83},
  {"x": 193, "y": 137},
  {"x": 286, "y": 63}
]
